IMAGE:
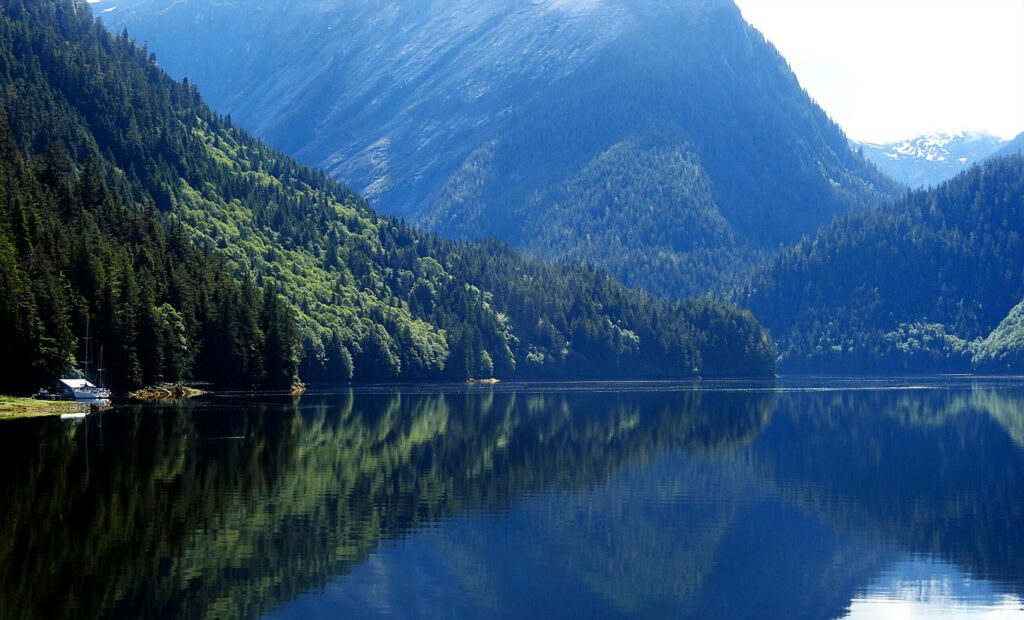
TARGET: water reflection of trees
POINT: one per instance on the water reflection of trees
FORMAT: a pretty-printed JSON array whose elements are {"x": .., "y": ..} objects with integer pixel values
[
  {"x": 863, "y": 476},
  {"x": 227, "y": 510},
  {"x": 87, "y": 505},
  {"x": 931, "y": 472}
]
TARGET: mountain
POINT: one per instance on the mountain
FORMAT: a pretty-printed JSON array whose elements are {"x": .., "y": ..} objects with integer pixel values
[
  {"x": 102, "y": 7},
  {"x": 193, "y": 250},
  {"x": 1011, "y": 147},
  {"x": 668, "y": 142},
  {"x": 916, "y": 286},
  {"x": 933, "y": 158}
]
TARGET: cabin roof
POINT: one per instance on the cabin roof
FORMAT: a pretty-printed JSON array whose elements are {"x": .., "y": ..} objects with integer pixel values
[{"x": 76, "y": 384}]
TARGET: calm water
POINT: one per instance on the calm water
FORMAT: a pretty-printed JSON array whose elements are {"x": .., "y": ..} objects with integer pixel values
[{"x": 795, "y": 499}]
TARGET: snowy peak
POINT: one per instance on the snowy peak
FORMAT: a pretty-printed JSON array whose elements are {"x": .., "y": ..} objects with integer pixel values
[
  {"x": 932, "y": 158},
  {"x": 940, "y": 147},
  {"x": 105, "y": 7}
]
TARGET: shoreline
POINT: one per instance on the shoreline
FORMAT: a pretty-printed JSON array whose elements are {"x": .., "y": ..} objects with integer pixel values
[{"x": 17, "y": 408}]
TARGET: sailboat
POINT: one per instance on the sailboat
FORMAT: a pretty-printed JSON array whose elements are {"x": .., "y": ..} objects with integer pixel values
[{"x": 83, "y": 389}]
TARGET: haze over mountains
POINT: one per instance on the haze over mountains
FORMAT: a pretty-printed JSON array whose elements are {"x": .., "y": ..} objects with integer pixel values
[
  {"x": 668, "y": 142},
  {"x": 1010, "y": 148}
]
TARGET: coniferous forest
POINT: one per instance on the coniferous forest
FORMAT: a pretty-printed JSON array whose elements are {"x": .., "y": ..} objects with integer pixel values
[
  {"x": 667, "y": 142},
  {"x": 496, "y": 424},
  {"x": 191, "y": 251},
  {"x": 928, "y": 283}
]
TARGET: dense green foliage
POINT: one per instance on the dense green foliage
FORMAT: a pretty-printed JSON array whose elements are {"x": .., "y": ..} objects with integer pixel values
[
  {"x": 667, "y": 142},
  {"x": 160, "y": 308},
  {"x": 643, "y": 208},
  {"x": 914, "y": 286},
  {"x": 1003, "y": 349},
  {"x": 129, "y": 201}
]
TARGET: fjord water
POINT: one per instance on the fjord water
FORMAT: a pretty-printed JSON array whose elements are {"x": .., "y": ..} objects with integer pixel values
[{"x": 789, "y": 499}]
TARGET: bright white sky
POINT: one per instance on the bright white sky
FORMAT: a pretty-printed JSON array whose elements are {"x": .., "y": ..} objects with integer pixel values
[{"x": 892, "y": 69}]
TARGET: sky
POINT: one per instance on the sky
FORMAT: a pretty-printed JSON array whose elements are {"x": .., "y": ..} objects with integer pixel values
[{"x": 887, "y": 70}]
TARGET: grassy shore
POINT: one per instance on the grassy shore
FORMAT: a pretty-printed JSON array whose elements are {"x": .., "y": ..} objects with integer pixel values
[{"x": 12, "y": 407}]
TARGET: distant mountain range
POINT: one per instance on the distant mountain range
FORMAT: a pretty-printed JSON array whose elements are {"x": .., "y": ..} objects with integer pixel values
[
  {"x": 667, "y": 142},
  {"x": 930, "y": 159},
  {"x": 1011, "y": 147}
]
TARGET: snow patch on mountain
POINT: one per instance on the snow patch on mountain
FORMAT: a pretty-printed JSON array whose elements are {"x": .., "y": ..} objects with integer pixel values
[
  {"x": 569, "y": 6},
  {"x": 931, "y": 158}
]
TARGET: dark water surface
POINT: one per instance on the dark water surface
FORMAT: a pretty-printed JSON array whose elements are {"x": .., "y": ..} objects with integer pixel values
[{"x": 793, "y": 499}]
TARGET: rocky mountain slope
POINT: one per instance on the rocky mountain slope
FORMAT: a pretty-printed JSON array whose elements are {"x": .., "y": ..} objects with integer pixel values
[
  {"x": 668, "y": 142},
  {"x": 200, "y": 253}
]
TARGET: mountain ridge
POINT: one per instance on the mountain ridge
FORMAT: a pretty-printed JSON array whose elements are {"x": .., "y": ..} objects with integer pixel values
[
  {"x": 472, "y": 118},
  {"x": 932, "y": 158},
  {"x": 114, "y": 165},
  {"x": 1011, "y": 147}
]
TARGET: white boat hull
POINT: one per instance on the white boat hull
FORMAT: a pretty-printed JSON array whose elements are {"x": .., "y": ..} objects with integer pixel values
[{"x": 91, "y": 394}]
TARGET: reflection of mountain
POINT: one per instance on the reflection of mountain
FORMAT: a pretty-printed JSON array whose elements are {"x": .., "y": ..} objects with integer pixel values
[
  {"x": 654, "y": 504},
  {"x": 238, "y": 508},
  {"x": 672, "y": 541},
  {"x": 841, "y": 487},
  {"x": 84, "y": 508},
  {"x": 933, "y": 472},
  {"x": 1005, "y": 407},
  {"x": 686, "y": 535},
  {"x": 1007, "y": 410}
]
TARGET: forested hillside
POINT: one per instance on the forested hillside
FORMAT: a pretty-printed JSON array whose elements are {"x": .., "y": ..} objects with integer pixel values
[
  {"x": 160, "y": 307},
  {"x": 194, "y": 251},
  {"x": 667, "y": 142},
  {"x": 1003, "y": 349},
  {"x": 916, "y": 286}
]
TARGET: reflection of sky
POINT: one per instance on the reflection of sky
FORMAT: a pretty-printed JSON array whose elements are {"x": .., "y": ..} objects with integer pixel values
[
  {"x": 929, "y": 588},
  {"x": 482, "y": 567}
]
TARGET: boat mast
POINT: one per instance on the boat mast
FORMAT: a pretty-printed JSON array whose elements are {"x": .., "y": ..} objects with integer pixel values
[
  {"x": 86, "y": 361},
  {"x": 100, "y": 369}
]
